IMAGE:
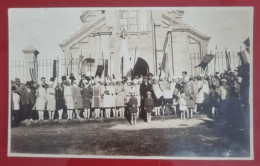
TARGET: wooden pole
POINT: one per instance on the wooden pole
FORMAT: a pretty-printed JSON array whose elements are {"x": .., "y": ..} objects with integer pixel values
[
  {"x": 172, "y": 55},
  {"x": 155, "y": 53}
]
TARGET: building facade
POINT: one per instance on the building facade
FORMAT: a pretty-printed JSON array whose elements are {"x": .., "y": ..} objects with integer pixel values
[{"x": 142, "y": 36}]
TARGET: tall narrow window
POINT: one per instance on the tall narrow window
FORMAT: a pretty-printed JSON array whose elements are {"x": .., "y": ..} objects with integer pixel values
[
  {"x": 133, "y": 21},
  {"x": 123, "y": 20}
]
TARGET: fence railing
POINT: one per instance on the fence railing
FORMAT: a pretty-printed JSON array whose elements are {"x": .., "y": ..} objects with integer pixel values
[
  {"x": 49, "y": 67},
  {"x": 218, "y": 64}
]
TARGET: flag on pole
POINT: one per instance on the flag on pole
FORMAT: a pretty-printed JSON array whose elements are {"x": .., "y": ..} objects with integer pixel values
[
  {"x": 126, "y": 63},
  {"x": 54, "y": 69},
  {"x": 247, "y": 44},
  {"x": 205, "y": 61},
  {"x": 243, "y": 58},
  {"x": 165, "y": 66},
  {"x": 228, "y": 61}
]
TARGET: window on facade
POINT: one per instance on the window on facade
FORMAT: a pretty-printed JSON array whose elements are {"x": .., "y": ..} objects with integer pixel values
[
  {"x": 123, "y": 20},
  {"x": 133, "y": 21}
]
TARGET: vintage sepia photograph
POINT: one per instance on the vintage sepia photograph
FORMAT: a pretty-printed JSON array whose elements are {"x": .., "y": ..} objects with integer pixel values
[{"x": 135, "y": 83}]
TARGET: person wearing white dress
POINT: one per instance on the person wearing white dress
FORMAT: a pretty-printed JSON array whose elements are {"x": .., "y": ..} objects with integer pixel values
[
  {"x": 120, "y": 99},
  {"x": 109, "y": 100},
  {"x": 51, "y": 99},
  {"x": 136, "y": 90},
  {"x": 113, "y": 98},
  {"x": 202, "y": 94},
  {"x": 69, "y": 99},
  {"x": 41, "y": 101}
]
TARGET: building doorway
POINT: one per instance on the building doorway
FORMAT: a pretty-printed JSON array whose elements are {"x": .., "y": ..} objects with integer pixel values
[{"x": 141, "y": 68}]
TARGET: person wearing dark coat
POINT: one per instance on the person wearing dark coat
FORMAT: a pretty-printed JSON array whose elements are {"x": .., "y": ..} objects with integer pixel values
[
  {"x": 87, "y": 95},
  {"x": 132, "y": 107},
  {"x": 27, "y": 101},
  {"x": 60, "y": 101},
  {"x": 149, "y": 105},
  {"x": 144, "y": 88}
]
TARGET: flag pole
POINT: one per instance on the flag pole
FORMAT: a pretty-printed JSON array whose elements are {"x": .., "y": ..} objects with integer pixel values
[
  {"x": 215, "y": 59},
  {"x": 172, "y": 55}
]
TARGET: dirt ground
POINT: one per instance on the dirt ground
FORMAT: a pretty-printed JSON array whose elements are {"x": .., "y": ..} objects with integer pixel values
[{"x": 164, "y": 136}]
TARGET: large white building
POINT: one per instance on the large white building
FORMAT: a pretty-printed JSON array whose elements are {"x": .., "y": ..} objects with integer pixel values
[{"x": 149, "y": 34}]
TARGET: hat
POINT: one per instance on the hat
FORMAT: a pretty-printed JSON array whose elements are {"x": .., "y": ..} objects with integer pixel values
[
  {"x": 63, "y": 78},
  {"x": 17, "y": 79},
  {"x": 72, "y": 77},
  {"x": 149, "y": 93},
  {"x": 135, "y": 81},
  {"x": 85, "y": 81},
  {"x": 223, "y": 80},
  {"x": 52, "y": 79}
]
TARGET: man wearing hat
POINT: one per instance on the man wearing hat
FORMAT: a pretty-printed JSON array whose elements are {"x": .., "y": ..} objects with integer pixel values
[
  {"x": 224, "y": 104},
  {"x": 87, "y": 94},
  {"x": 27, "y": 101},
  {"x": 19, "y": 86},
  {"x": 144, "y": 88}
]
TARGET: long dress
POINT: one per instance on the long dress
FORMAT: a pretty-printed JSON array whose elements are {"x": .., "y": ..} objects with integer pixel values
[
  {"x": 203, "y": 92},
  {"x": 87, "y": 94},
  {"x": 137, "y": 94},
  {"x": 109, "y": 97},
  {"x": 97, "y": 97},
  {"x": 69, "y": 100},
  {"x": 190, "y": 93},
  {"x": 51, "y": 101},
  {"x": 120, "y": 96},
  {"x": 77, "y": 95},
  {"x": 41, "y": 99},
  {"x": 60, "y": 101}
]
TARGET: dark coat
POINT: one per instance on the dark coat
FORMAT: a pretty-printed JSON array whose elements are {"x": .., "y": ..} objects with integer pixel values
[
  {"x": 60, "y": 101},
  {"x": 144, "y": 89},
  {"x": 132, "y": 105},
  {"x": 149, "y": 104},
  {"x": 27, "y": 98}
]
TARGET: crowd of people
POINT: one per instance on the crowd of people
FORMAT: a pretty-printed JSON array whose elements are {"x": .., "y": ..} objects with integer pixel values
[{"x": 141, "y": 97}]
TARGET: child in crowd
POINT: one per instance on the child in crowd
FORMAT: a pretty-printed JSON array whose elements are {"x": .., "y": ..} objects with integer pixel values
[
  {"x": 149, "y": 105},
  {"x": 132, "y": 107},
  {"x": 214, "y": 100},
  {"x": 183, "y": 106}
]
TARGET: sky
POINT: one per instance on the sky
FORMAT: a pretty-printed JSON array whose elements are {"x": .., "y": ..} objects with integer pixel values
[{"x": 46, "y": 28}]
